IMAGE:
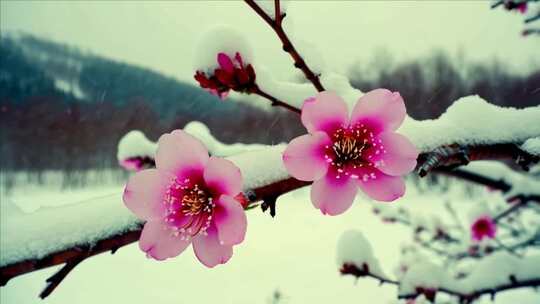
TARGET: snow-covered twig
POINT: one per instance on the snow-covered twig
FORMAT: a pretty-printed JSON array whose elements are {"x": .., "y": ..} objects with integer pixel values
[
  {"x": 464, "y": 297},
  {"x": 476, "y": 178},
  {"x": 352, "y": 269},
  {"x": 68, "y": 256},
  {"x": 522, "y": 203},
  {"x": 276, "y": 25},
  {"x": 456, "y": 155}
]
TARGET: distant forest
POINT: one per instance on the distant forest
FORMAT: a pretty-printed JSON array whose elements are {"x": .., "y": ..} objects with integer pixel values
[{"x": 62, "y": 108}]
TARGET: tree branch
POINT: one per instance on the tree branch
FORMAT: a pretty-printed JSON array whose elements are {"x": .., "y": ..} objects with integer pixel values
[
  {"x": 73, "y": 256},
  {"x": 288, "y": 47},
  {"x": 64, "y": 256},
  {"x": 451, "y": 156},
  {"x": 265, "y": 193},
  {"x": 351, "y": 269},
  {"x": 466, "y": 298},
  {"x": 57, "y": 278}
]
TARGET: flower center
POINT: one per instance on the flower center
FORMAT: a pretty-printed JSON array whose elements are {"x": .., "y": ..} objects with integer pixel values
[
  {"x": 482, "y": 227},
  {"x": 348, "y": 146},
  {"x": 195, "y": 201},
  {"x": 189, "y": 208}
]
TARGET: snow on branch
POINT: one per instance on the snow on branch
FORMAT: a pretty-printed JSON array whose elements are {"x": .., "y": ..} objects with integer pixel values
[
  {"x": 493, "y": 274},
  {"x": 136, "y": 151},
  {"x": 513, "y": 201},
  {"x": 107, "y": 220}
]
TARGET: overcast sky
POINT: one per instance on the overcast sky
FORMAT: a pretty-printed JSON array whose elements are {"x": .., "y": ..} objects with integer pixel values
[{"x": 162, "y": 35}]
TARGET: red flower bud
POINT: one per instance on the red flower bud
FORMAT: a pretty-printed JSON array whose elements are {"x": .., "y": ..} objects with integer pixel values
[{"x": 232, "y": 74}]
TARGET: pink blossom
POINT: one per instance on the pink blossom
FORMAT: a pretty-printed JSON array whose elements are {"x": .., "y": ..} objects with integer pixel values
[
  {"x": 482, "y": 227},
  {"x": 342, "y": 153},
  {"x": 188, "y": 199}
]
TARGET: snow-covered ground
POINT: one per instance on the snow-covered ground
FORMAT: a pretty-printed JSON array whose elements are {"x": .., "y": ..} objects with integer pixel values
[{"x": 294, "y": 253}]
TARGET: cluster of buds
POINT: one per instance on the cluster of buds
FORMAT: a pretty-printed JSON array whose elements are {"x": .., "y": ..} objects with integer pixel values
[{"x": 232, "y": 74}]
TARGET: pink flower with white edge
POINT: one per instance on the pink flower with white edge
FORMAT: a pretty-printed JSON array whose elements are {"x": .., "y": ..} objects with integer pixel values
[
  {"x": 188, "y": 199},
  {"x": 341, "y": 153},
  {"x": 483, "y": 227}
]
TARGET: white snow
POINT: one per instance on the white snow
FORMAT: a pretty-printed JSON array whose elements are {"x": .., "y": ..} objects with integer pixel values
[
  {"x": 134, "y": 144},
  {"x": 532, "y": 146},
  {"x": 473, "y": 121},
  {"x": 308, "y": 50},
  {"x": 478, "y": 210},
  {"x": 354, "y": 248},
  {"x": 261, "y": 167},
  {"x": 423, "y": 274},
  {"x": 37, "y": 234},
  {"x": 220, "y": 39},
  {"x": 524, "y": 186},
  {"x": 408, "y": 259},
  {"x": 490, "y": 271},
  {"x": 216, "y": 147},
  {"x": 529, "y": 268},
  {"x": 521, "y": 183}
]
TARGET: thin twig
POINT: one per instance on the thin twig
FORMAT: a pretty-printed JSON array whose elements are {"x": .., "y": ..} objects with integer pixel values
[
  {"x": 275, "y": 102},
  {"x": 494, "y": 5},
  {"x": 470, "y": 297},
  {"x": 56, "y": 279},
  {"x": 533, "y": 18},
  {"x": 288, "y": 47},
  {"x": 515, "y": 207}
]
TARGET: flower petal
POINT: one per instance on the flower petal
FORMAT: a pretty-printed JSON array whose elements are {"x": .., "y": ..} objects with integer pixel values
[
  {"x": 208, "y": 249},
  {"x": 380, "y": 106},
  {"x": 225, "y": 62},
  {"x": 144, "y": 193},
  {"x": 304, "y": 157},
  {"x": 382, "y": 187},
  {"x": 222, "y": 177},
  {"x": 324, "y": 112},
  {"x": 159, "y": 242},
  {"x": 400, "y": 156},
  {"x": 180, "y": 153},
  {"x": 333, "y": 195},
  {"x": 230, "y": 220}
]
